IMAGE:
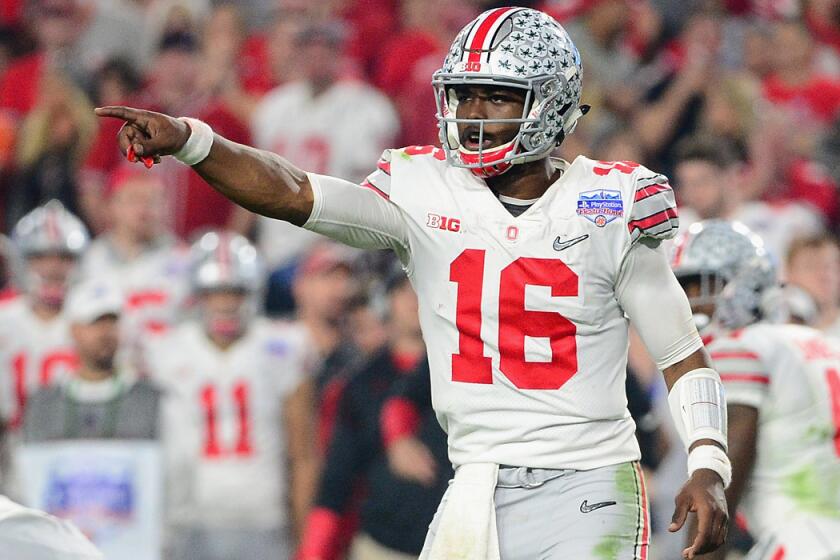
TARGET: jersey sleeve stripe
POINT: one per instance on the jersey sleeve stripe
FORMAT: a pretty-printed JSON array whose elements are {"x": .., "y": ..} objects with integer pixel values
[
  {"x": 653, "y": 220},
  {"x": 734, "y": 356},
  {"x": 745, "y": 377},
  {"x": 651, "y": 190},
  {"x": 371, "y": 186},
  {"x": 384, "y": 166}
]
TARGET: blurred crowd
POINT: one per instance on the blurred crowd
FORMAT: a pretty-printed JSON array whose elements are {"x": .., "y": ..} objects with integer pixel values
[{"x": 736, "y": 100}]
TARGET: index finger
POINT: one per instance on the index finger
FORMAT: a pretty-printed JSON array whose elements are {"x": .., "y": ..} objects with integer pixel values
[
  {"x": 119, "y": 112},
  {"x": 704, "y": 526}
]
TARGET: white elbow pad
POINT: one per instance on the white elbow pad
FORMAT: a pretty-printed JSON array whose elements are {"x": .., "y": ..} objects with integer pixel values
[{"x": 698, "y": 406}]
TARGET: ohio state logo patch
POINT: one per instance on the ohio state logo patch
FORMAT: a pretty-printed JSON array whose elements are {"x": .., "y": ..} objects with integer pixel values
[{"x": 601, "y": 206}]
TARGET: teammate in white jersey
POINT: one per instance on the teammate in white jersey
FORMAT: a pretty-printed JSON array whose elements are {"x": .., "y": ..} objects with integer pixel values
[
  {"x": 35, "y": 344},
  {"x": 783, "y": 394},
  {"x": 136, "y": 253},
  {"x": 238, "y": 414},
  {"x": 526, "y": 270}
]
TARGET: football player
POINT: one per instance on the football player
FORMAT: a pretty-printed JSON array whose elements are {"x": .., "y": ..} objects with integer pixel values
[
  {"x": 237, "y": 415},
  {"x": 783, "y": 394},
  {"x": 527, "y": 269},
  {"x": 35, "y": 344},
  {"x": 139, "y": 256}
]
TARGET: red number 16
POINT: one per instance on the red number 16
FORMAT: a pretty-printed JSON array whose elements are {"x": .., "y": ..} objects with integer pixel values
[{"x": 470, "y": 365}]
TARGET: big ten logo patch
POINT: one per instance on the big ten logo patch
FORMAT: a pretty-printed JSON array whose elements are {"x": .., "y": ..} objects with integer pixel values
[{"x": 436, "y": 221}]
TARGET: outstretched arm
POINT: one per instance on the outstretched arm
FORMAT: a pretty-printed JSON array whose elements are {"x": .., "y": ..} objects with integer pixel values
[{"x": 260, "y": 181}]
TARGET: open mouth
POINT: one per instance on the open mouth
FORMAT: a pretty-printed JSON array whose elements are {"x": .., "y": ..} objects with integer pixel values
[{"x": 471, "y": 139}]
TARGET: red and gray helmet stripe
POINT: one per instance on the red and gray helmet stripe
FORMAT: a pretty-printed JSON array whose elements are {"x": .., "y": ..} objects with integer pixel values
[
  {"x": 481, "y": 36},
  {"x": 223, "y": 256}
]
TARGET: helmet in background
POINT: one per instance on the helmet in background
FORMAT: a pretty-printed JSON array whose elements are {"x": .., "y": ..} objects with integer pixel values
[
  {"x": 222, "y": 260},
  {"x": 43, "y": 234},
  {"x": 733, "y": 269},
  {"x": 50, "y": 228},
  {"x": 226, "y": 262}
]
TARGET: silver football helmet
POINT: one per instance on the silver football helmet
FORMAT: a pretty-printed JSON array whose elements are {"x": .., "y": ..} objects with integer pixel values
[
  {"x": 733, "y": 269},
  {"x": 517, "y": 48},
  {"x": 222, "y": 260},
  {"x": 50, "y": 228}
]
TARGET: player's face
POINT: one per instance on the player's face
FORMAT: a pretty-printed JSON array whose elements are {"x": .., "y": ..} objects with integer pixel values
[
  {"x": 702, "y": 186},
  {"x": 97, "y": 342},
  {"x": 694, "y": 290},
  {"x": 324, "y": 294},
  {"x": 50, "y": 273},
  {"x": 366, "y": 329},
  {"x": 223, "y": 312},
  {"x": 488, "y": 102},
  {"x": 137, "y": 208},
  {"x": 817, "y": 271}
]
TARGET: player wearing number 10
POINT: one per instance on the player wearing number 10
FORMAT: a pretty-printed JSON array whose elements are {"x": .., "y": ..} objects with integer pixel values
[{"x": 526, "y": 269}]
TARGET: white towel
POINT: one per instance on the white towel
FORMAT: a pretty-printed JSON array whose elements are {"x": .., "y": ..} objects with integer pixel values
[{"x": 467, "y": 529}]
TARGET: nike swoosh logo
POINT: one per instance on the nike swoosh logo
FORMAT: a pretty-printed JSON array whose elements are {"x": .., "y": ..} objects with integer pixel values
[
  {"x": 560, "y": 245},
  {"x": 586, "y": 508}
]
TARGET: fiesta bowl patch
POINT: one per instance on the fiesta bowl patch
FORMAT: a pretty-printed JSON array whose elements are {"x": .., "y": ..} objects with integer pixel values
[{"x": 600, "y": 207}]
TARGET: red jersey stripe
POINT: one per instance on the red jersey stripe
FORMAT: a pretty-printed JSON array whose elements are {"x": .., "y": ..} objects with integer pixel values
[
  {"x": 652, "y": 220},
  {"x": 650, "y": 190},
  {"x": 746, "y": 378},
  {"x": 384, "y": 166},
  {"x": 371, "y": 186},
  {"x": 734, "y": 356}
]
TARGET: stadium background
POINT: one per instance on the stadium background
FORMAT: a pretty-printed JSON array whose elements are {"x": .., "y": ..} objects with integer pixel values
[{"x": 331, "y": 83}]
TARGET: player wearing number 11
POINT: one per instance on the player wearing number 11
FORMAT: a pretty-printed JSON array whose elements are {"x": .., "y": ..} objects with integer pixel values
[
  {"x": 237, "y": 413},
  {"x": 527, "y": 269}
]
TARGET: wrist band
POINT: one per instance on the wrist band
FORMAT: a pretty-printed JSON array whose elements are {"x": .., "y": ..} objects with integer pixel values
[
  {"x": 710, "y": 457},
  {"x": 198, "y": 145}
]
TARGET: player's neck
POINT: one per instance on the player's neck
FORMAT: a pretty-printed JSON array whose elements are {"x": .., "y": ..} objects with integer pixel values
[
  {"x": 94, "y": 374},
  {"x": 128, "y": 245},
  {"x": 45, "y": 312},
  {"x": 525, "y": 181},
  {"x": 223, "y": 342}
]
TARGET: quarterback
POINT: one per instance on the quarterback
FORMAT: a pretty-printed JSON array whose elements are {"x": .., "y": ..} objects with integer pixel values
[{"x": 528, "y": 271}]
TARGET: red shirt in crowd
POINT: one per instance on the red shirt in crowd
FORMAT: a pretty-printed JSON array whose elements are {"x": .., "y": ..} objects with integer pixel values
[
  {"x": 820, "y": 96},
  {"x": 21, "y": 83}
]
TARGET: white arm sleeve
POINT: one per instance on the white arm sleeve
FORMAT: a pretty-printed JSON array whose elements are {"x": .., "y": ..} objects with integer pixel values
[
  {"x": 357, "y": 216},
  {"x": 652, "y": 298}
]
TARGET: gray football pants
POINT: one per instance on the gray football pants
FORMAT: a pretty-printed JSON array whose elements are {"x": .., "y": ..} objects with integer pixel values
[{"x": 546, "y": 514}]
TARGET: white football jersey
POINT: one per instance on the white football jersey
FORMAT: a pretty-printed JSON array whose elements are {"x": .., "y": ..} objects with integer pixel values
[
  {"x": 223, "y": 422},
  {"x": 155, "y": 283},
  {"x": 339, "y": 133},
  {"x": 33, "y": 354},
  {"x": 791, "y": 374},
  {"x": 28, "y": 534},
  {"x": 527, "y": 341}
]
